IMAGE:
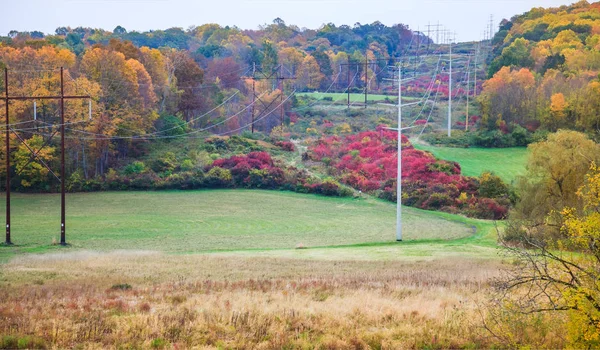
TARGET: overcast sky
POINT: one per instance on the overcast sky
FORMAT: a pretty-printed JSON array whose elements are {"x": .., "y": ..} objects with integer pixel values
[{"x": 467, "y": 17}]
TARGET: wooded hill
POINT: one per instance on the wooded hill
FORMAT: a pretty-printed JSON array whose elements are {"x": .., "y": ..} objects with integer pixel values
[
  {"x": 168, "y": 83},
  {"x": 544, "y": 71}
]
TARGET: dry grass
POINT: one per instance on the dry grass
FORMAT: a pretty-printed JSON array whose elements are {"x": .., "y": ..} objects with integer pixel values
[{"x": 64, "y": 300}]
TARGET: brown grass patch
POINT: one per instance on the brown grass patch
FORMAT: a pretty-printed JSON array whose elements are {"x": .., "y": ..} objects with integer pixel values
[{"x": 236, "y": 302}]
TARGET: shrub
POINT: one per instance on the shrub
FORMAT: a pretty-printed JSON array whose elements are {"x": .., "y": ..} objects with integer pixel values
[
  {"x": 169, "y": 125},
  {"x": 145, "y": 181},
  {"x": 368, "y": 161},
  {"x": 136, "y": 167},
  {"x": 165, "y": 163},
  {"x": 492, "y": 186},
  {"x": 184, "y": 181},
  {"x": 329, "y": 187},
  {"x": 187, "y": 165},
  {"x": 286, "y": 146},
  {"x": 218, "y": 177},
  {"x": 121, "y": 286}
]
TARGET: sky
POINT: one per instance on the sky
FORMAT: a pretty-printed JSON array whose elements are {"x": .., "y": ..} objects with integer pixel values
[{"x": 468, "y": 18}]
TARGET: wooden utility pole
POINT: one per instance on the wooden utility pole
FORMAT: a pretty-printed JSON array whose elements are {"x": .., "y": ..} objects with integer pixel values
[
  {"x": 6, "y": 155},
  {"x": 61, "y": 98},
  {"x": 275, "y": 75}
]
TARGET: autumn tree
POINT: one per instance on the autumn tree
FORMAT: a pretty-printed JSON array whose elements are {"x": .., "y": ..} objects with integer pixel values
[
  {"x": 561, "y": 276},
  {"x": 33, "y": 171},
  {"x": 189, "y": 77},
  {"x": 555, "y": 170},
  {"x": 226, "y": 70},
  {"x": 125, "y": 47},
  {"x": 508, "y": 97},
  {"x": 517, "y": 54},
  {"x": 291, "y": 58},
  {"x": 309, "y": 75}
]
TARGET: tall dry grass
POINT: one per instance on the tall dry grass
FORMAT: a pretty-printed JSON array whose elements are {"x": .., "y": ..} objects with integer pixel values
[{"x": 145, "y": 300}]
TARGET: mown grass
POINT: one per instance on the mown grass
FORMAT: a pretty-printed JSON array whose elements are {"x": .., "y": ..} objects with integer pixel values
[
  {"x": 508, "y": 163},
  {"x": 338, "y": 96},
  {"x": 217, "y": 220}
]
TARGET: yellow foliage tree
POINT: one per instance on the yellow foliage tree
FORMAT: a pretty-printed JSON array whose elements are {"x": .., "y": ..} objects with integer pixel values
[
  {"x": 563, "y": 275},
  {"x": 583, "y": 234}
]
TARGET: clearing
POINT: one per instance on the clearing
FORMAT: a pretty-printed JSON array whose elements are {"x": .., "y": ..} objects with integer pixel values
[{"x": 508, "y": 163}]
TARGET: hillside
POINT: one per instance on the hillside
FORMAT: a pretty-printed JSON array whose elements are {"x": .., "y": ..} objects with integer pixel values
[{"x": 544, "y": 71}]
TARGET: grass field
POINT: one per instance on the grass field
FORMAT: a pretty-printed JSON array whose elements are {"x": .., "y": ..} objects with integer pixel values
[
  {"x": 219, "y": 220},
  {"x": 219, "y": 269},
  {"x": 338, "y": 96},
  {"x": 508, "y": 163}
]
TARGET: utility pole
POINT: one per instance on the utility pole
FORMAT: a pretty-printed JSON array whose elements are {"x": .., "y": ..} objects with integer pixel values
[
  {"x": 275, "y": 75},
  {"x": 450, "y": 92},
  {"x": 7, "y": 156},
  {"x": 61, "y": 98},
  {"x": 477, "y": 52},
  {"x": 366, "y": 78},
  {"x": 348, "y": 87},
  {"x": 491, "y": 29},
  {"x": 468, "y": 92},
  {"x": 63, "y": 176},
  {"x": 253, "y": 93},
  {"x": 358, "y": 65},
  {"x": 281, "y": 109},
  {"x": 399, "y": 180}
]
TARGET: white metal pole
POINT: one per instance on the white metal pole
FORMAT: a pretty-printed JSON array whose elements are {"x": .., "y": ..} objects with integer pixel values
[
  {"x": 468, "y": 92},
  {"x": 34, "y": 110},
  {"x": 450, "y": 94},
  {"x": 399, "y": 179}
]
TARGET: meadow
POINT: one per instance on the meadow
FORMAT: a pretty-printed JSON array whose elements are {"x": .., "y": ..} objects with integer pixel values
[
  {"x": 218, "y": 220},
  {"x": 354, "y": 97},
  {"x": 240, "y": 269},
  {"x": 508, "y": 163}
]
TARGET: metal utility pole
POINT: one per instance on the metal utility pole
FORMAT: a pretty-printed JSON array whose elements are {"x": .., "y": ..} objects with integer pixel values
[
  {"x": 253, "y": 93},
  {"x": 477, "y": 52},
  {"x": 450, "y": 93},
  {"x": 61, "y": 98},
  {"x": 491, "y": 29},
  {"x": 348, "y": 87},
  {"x": 6, "y": 155},
  {"x": 366, "y": 78},
  {"x": 399, "y": 180},
  {"x": 468, "y": 92}
]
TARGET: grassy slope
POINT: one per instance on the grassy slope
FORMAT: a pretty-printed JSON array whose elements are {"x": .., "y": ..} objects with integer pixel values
[
  {"x": 508, "y": 163},
  {"x": 227, "y": 220},
  {"x": 339, "y": 96}
]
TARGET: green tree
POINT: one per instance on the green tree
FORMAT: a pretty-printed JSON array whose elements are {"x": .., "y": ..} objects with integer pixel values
[
  {"x": 270, "y": 60},
  {"x": 517, "y": 54}
]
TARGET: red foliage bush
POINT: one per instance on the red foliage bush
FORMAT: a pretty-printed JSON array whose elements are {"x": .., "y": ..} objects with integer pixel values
[
  {"x": 286, "y": 146},
  {"x": 368, "y": 161}
]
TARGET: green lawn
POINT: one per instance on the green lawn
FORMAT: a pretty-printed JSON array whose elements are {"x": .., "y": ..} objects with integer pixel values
[
  {"x": 224, "y": 220},
  {"x": 508, "y": 163},
  {"x": 338, "y": 96}
]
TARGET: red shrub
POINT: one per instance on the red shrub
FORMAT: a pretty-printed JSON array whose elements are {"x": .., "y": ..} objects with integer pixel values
[{"x": 368, "y": 161}]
